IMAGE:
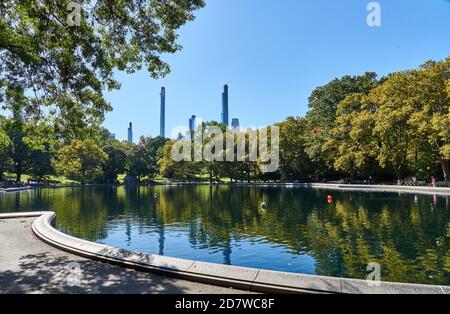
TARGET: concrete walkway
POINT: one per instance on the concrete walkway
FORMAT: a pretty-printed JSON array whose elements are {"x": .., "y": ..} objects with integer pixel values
[{"x": 28, "y": 265}]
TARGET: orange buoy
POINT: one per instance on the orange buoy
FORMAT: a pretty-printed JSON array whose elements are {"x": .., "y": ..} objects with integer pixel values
[{"x": 330, "y": 199}]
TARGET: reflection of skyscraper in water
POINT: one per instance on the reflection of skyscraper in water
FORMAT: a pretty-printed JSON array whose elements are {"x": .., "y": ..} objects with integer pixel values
[
  {"x": 128, "y": 232},
  {"x": 161, "y": 238},
  {"x": 227, "y": 253},
  {"x": 130, "y": 133}
]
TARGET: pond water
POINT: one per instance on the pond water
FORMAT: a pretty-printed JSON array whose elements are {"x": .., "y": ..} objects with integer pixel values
[{"x": 300, "y": 231}]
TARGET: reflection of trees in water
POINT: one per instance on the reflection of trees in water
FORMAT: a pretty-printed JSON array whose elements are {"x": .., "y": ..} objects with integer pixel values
[{"x": 408, "y": 235}]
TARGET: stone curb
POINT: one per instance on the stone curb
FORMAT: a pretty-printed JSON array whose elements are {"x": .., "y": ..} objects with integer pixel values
[
  {"x": 21, "y": 215},
  {"x": 374, "y": 188},
  {"x": 325, "y": 186},
  {"x": 23, "y": 188},
  {"x": 257, "y": 280}
]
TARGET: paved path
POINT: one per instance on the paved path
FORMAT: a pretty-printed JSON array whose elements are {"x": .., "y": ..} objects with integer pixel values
[{"x": 28, "y": 265}]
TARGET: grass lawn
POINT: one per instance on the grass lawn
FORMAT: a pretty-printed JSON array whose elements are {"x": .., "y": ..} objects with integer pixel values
[{"x": 25, "y": 177}]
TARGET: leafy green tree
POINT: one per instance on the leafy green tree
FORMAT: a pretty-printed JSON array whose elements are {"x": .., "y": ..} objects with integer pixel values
[
  {"x": 142, "y": 158},
  {"x": 81, "y": 161},
  {"x": 431, "y": 120},
  {"x": 65, "y": 63},
  {"x": 41, "y": 163},
  {"x": 293, "y": 159},
  {"x": 213, "y": 168},
  {"x": 41, "y": 141},
  {"x": 4, "y": 150},
  {"x": 321, "y": 117},
  {"x": 168, "y": 168},
  {"x": 137, "y": 162},
  {"x": 351, "y": 139},
  {"x": 392, "y": 130},
  {"x": 117, "y": 159},
  {"x": 153, "y": 147}
]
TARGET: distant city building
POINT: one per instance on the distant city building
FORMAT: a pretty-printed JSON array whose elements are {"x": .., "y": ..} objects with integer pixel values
[
  {"x": 235, "y": 124},
  {"x": 225, "y": 106},
  {"x": 111, "y": 136},
  {"x": 163, "y": 113},
  {"x": 180, "y": 136},
  {"x": 130, "y": 133},
  {"x": 192, "y": 122}
]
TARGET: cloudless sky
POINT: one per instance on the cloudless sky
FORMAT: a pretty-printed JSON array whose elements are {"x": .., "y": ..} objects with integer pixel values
[{"x": 273, "y": 53}]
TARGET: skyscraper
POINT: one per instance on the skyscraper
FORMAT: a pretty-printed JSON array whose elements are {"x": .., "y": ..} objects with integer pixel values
[
  {"x": 225, "y": 105},
  {"x": 192, "y": 123},
  {"x": 235, "y": 124},
  {"x": 130, "y": 133},
  {"x": 180, "y": 136},
  {"x": 111, "y": 136},
  {"x": 163, "y": 113}
]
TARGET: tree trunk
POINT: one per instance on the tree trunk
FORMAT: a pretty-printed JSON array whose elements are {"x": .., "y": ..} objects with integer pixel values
[
  {"x": 18, "y": 175},
  {"x": 399, "y": 175},
  {"x": 445, "y": 169},
  {"x": 283, "y": 176}
]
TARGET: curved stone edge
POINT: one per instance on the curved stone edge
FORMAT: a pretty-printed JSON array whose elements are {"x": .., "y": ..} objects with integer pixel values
[
  {"x": 21, "y": 215},
  {"x": 375, "y": 188},
  {"x": 257, "y": 280},
  {"x": 427, "y": 190}
]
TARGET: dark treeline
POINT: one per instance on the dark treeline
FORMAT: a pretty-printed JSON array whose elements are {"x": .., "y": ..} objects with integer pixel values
[
  {"x": 53, "y": 75},
  {"x": 357, "y": 127}
]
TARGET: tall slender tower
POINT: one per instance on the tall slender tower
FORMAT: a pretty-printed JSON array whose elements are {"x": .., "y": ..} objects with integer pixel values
[
  {"x": 192, "y": 122},
  {"x": 225, "y": 105},
  {"x": 162, "y": 122},
  {"x": 130, "y": 133}
]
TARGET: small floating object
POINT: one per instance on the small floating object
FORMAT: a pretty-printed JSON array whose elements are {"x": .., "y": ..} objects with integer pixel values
[
  {"x": 330, "y": 199},
  {"x": 263, "y": 205}
]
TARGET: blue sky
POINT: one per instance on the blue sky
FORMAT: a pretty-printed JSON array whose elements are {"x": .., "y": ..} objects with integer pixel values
[{"x": 273, "y": 53}]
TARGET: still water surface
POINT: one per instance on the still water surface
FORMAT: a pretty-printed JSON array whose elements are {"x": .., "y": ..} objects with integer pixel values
[{"x": 407, "y": 234}]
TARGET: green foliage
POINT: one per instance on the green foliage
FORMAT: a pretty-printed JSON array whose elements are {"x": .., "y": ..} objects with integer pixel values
[
  {"x": 351, "y": 140},
  {"x": 170, "y": 169},
  {"x": 142, "y": 158},
  {"x": 66, "y": 68},
  {"x": 323, "y": 104},
  {"x": 294, "y": 160},
  {"x": 117, "y": 159},
  {"x": 356, "y": 127},
  {"x": 5, "y": 144},
  {"x": 81, "y": 161}
]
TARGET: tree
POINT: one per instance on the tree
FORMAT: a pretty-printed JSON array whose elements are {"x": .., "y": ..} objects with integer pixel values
[
  {"x": 41, "y": 162},
  {"x": 81, "y": 161},
  {"x": 4, "y": 150},
  {"x": 65, "y": 63},
  {"x": 293, "y": 158},
  {"x": 392, "y": 130},
  {"x": 153, "y": 147},
  {"x": 431, "y": 120},
  {"x": 169, "y": 168},
  {"x": 351, "y": 140},
  {"x": 117, "y": 158},
  {"x": 321, "y": 117},
  {"x": 142, "y": 158},
  {"x": 214, "y": 168}
]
